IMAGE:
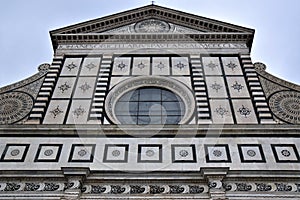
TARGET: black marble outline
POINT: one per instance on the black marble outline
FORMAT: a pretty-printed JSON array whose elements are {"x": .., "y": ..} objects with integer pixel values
[
  {"x": 194, "y": 160},
  {"x": 217, "y": 161},
  {"x": 140, "y": 146},
  {"x": 105, "y": 160},
  {"x": 15, "y": 160},
  {"x": 293, "y": 146},
  {"x": 56, "y": 159},
  {"x": 263, "y": 158},
  {"x": 82, "y": 145}
]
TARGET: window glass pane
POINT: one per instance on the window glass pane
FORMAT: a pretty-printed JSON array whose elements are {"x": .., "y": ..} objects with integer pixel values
[{"x": 150, "y": 94}]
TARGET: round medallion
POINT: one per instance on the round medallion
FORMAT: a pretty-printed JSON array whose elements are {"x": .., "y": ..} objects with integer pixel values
[
  {"x": 116, "y": 153},
  {"x": 183, "y": 153},
  {"x": 82, "y": 152},
  {"x": 14, "y": 106},
  {"x": 152, "y": 26},
  {"x": 150, "y": 153},
  {"x": 15, "y": 152},
  {"x": 217, "y": 153},
  {"x": 251, "y": 153},
  {"x": 48, "y": 152},
  {"x": 286, "y": 106},
  {"x": 285, "y": 153}
]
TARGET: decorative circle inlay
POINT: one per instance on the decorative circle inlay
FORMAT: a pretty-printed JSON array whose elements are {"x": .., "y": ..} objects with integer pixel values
[
  {"x": 217, "y": 153},
  {"x": 14, "y": 106},
  {"x": 44, "y": 67},
  {"x": 15, "y": 152},
  {"x": 286, "y": 106},
  {"x": 260, "y": 66},
  {"x": 150, "y": 153},
  {"x": 152, "y": 26},
  {"x": 116, "y": 153},
  {"x": 183, "y": 153},
  {"x": 82, "y": 152},
  {"x": 251, "y": 153},
  {"x": 48, "y": 152},
  {"x": 285, "y": 153}
]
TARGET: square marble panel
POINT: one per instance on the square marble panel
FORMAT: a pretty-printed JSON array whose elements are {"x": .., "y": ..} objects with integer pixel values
[
  {"x": 56, "y": 112},
  {"x": 48, "y": 153},
  {"x": 211, "y": 66},
  {"x": 216, "y": 87},
  {"x": 121, "y": 66},
  {"x": 79, "y": 112},
  {"x": 64, "y": 88},
  {"x": 180, "y": 66},
  {"x": 251, "y": 153},
  {"x": 71, "y": 67},
  {"x": 116, "y": 153},
  {"x": 90, "y": 66},
  {"x": 285, "y": 153},
  {"x": 232, "y": 66},
  {"x": 160, "y": 66},
  {"x": 141, "y": 66},
  {"x": 244, "y": 112},
  {"x": 85, "y": 87},
  {"x": 237, "y": 87},
  {"x": 183, "y": 153},
  {"x": 14, "y": 153},
  {"x": 221, "y": 111},
  {"x": 217, "y": 153},
  {"x": 82, "y": 153},
  {"x": 149, "y": 153}
]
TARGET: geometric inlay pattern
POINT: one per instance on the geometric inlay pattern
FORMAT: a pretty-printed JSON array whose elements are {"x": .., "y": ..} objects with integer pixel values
[
  {"x": 217, "y": 153},
  {"x": 251, "y": 153},
  {"x": 286, "y": 106},
  {"x": 116, "y": 153},
  {"x": 183, "y": 153},
  {"x": 48, "y": 153},
  {"x": 14, "y": 106},
  {"x": 150, "y": 153},
  {"x": 14, "y": 153},
  {"x": 82, "y": 153},
  {"x": 285, "y": 153}
]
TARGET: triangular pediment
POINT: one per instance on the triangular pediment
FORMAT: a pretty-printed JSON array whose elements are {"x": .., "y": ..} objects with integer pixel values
[{"x": 127, "y": 18}]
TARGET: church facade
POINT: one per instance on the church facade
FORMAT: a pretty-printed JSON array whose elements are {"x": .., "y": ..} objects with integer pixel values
[{"x": 150, "y": 103}]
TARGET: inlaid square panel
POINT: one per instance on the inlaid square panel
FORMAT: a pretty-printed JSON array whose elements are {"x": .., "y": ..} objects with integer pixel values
[
  {"x": 216, "y": 87},
  {"x": 244, "y": 112},
  {"x": 211, "y": 66},
  {"x": 149, "y": 153},
  {"x": 183, "y": 153},
  {"x": 237, "y": 87},
  {"x": 85, "y": 87},
  {"x": 180, "y": 66},
  {"x": 121, "y": 66},
  {"x": 141, "y": 66},
  {"x": 217, "y": 153},
  {"x": 14, "y": 153},
  {"x": 79, "y": 112},
  {"x": 116, "y": 153},
  {"x": 232, "y": 66},
  {"x": 221, "y": 111},
  {"x": 160, "y": 66},
  {"x": 251, "y": 153},
  {"x": 48, "y": 153},
  {"x": 64, "y": 88},
  {"x": 90, "y": 66},
  {"x": 56, "y": 112},
  {"x": 71, "y": 67},
  {"x": 285, "y": 153},
  {"x": 82, "y": 153}
]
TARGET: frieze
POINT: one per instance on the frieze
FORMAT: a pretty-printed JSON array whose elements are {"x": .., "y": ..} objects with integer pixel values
[{"x": 154, "y": 46}]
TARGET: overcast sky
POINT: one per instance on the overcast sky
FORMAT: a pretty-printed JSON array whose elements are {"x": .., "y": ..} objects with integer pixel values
[{"x": 25, "y": 25}]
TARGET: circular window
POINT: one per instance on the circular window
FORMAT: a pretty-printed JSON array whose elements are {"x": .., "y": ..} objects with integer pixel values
[
  {"x": 149, "y": 105},
  {"x": 150, "y": 100}
]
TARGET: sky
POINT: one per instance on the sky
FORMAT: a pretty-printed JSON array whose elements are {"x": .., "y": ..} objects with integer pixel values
[{"x": 25, "y": 41}]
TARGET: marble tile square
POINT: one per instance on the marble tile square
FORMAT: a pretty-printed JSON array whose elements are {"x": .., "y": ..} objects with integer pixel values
[
  {"x": 221, "y": 111},
  {"x": 237, "y": 87},
  {"x": 244, "y": 111},
  {"x": 251, "y": 153},
  {"x": 216, "y": 87},
  {"x": 116, "y": 153},
  {"x": 285, "y": 153},
  {"x": 160, "y": 66},
  {"x": 180, "y": 66},
  {"x": 211, "y": 66},
  {"x": 85, "y": 87},
  {"x": 217, "y": 153},
  {"x": 141, "y": 66},
  {"x": 48, "y": 153},
  {"x": 14, "y": 153},
  {"x": 232, "y": 66},
  {"x": 90, "y": 66},
  {"x": 56, "y": 112},
  {"x": 183, "y": 153},
  {"x": 149, "y": 153},
  {"x": 82, "y": 153},
  {"x": 79, "y": 112},
  {"x": 64, "y": 88},
  {"x": 71, "y": 67},
  {"x": 121, "y": 66}
]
